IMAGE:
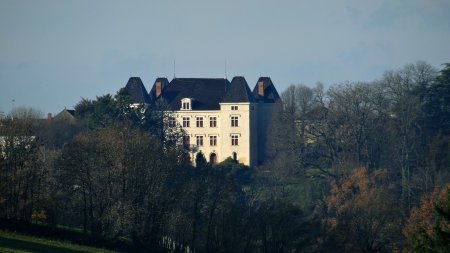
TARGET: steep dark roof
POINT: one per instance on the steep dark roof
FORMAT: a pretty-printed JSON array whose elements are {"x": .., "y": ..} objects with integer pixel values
[
  {"x": 135, "y": 88},
  {"x": 71, "y": 112},
  {"x": 238, "y": 91},
  {"x": 164, "y": 83},
  {"x": 206, "y": 93},
  {"x": 65, "y": 115},
  {"x": 270, "y": 93}
]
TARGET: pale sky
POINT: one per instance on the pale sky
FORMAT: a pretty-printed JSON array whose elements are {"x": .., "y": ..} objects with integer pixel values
[{"x": 52, "y": 53}]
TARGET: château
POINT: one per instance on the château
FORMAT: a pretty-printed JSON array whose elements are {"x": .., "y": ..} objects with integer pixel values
[{"x": 220, "y": 118}]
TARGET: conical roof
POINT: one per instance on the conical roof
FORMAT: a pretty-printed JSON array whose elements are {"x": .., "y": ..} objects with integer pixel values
[
  {"x": 270, "y": 92},
  {"x": 136, "y": 89},
  {"x": 238, "y": 91}
]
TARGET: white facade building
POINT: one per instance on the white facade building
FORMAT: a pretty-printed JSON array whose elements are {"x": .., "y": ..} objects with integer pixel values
[{"x": 220, "y": 118}]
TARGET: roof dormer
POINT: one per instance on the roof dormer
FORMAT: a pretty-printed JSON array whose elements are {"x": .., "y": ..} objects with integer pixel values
[{"x": 186, "y": 104}]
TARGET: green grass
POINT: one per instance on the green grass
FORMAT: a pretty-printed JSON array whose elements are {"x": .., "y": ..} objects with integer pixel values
[{"x": 15, "y": 242}]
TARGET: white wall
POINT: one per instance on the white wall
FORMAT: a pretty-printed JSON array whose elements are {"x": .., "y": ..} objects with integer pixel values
[
  {"x": 253, "y": 130},
  {"x": 247, "y": 131}
]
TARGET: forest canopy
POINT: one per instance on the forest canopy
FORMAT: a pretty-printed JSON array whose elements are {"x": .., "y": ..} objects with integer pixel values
[{"x": 356, "y": 167}]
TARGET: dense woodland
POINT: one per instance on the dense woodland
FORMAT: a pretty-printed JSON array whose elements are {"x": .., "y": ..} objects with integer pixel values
[{"x": 358, "y": 167}]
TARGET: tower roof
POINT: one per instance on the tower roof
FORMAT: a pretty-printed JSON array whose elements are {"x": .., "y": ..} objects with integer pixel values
[
  {"x": 135, "y": 88},
  {"x": 164, "y": 83},
  {"x": 238, "y": 91},
  {"x": 270, "y": 92}
]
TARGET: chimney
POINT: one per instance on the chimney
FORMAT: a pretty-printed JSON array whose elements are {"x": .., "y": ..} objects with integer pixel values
[
  {"x": 49, "y": 117},
  {"x": 158, "y": 88},
  {"x": 260, "y": 89}
]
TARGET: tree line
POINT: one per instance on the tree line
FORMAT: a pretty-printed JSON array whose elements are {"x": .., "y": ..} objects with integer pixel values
[{"x": 357, "y": 167}]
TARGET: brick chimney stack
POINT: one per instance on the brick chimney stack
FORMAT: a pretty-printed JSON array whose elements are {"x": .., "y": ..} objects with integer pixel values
[
  {"x": 260, "y": 89},
  {"x": 49, "y": 117},
  {"x": 158, "y": 89}
]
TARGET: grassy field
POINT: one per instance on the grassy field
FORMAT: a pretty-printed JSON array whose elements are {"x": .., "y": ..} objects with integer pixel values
[{"x": 15, "y": 242}]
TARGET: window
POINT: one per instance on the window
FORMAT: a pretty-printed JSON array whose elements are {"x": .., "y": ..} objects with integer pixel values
[
  {"x": 199, "y": 121},
  {"x": 234, "y": 107},
  {"x": 234, "y": 140},
  {"x": 186, "y": 122},
  {"x": 213, "y": 140},
  {"x": 199, "y": 141},
  {"x": 186, "y": 105},
  {"x": 213, "y": 122},
  {"x": 234, "y": 121},
  {"x": 172, "y": 122},
  {"x": 213, "y": 158},
  {"x": 234, "y": 156},
  {"x": 186, "y": 141}
]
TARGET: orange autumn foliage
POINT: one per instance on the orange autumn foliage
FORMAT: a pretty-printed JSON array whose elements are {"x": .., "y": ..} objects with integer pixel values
[
  {"x": 423, "y": 217},
  {"x": 355, "y": 192},
  {"x": 361, "y": 212},
  {"x": 40, "y": 216}
]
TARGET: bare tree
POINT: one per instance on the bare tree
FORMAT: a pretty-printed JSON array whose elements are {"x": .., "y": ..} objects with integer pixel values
[
  {"x": 21, "y": 166},
  {"x": 402, "y": 89}
]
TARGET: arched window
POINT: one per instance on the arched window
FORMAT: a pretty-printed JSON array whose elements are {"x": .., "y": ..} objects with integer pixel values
[
  {"x": 186, "y": 104},
  {"x": 200, "y": 160},
  {"x": 212, "y": 158},
  {"x": 234, "y": 156}
]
